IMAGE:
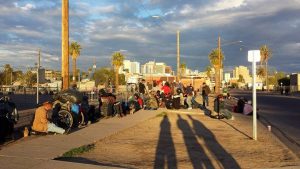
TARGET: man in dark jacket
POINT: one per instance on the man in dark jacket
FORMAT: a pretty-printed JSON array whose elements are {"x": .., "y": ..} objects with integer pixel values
[
  {"x": 142, "y": 89},
  {"x": 205, "y": 93}
]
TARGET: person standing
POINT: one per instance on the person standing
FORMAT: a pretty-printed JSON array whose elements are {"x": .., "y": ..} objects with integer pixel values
[
  {"x": 142, "y": 88},
  {"x": 41, "y": 122},
  {"x": 205, "y": 93},
  {"x": 189, "y": 94}
]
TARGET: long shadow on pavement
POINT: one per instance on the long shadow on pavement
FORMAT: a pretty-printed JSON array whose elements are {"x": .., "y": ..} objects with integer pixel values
[
  {"x": 196, "y": 152},
  {"x": 224, "y": 158},
  {"x": 165, "y": 150},
  {"x": 88, "y": 161}
]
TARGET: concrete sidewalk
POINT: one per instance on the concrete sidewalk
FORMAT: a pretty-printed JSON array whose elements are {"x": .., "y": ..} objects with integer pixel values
[{"x": 38, "y": 152}]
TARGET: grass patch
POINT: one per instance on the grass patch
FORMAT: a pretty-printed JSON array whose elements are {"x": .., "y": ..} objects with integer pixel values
[
  {"x": 162, "y": 114},
  {"x": 79, "y": 150}
]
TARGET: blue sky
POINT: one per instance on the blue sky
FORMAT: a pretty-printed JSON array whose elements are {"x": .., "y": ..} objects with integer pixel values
[{"x": 102, "y": 27}]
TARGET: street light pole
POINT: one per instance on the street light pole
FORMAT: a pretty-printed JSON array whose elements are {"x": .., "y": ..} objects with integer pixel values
[
  {"x": 218, "y": 71},
  {"x": 178, "y": 55},
  {"x": 220, "y": 64},
  {"x": 38, "y": 77}
]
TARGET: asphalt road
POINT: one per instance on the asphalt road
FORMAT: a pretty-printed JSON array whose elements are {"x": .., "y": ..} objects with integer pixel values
[{"x": 281, "y": 112}]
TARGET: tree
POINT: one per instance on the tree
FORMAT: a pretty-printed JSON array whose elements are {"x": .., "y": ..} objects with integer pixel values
[
  {"x": 208, "y": 71},
  {"x": 285, "y": 81},
  {"x": 117, "y": 62},
  {"x": 182, "y": 67},
  {"x": 265, "y": 53},
  {"x": 28, "y": 79},
  {"x": 241, "y": 79},
  {"x": 216, "y": 62},
  {"x": 261, "y": 72},
  {"x": 102, "y": 75},
  {"x": 7, "y": 74},
  {"x": 75, "y": 50}
]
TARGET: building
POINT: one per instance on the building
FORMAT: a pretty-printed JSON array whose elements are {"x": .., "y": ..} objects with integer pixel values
[
  {"x": 52, "y": 75},
  {"x": 41, "y": 75},
  {"x": 295, "y": 82},
  {"x": 148, "y": 68},
  {"x": 135, "y": 67},
  {"x": 227, "y": 77},
  {"x": 126, "y": 66},
  {"x": 168, "y": 70},
  {"x": 160, "y": 68},
  {"x": 130, "y": 67},
  {"x": 244, "y": 72}
]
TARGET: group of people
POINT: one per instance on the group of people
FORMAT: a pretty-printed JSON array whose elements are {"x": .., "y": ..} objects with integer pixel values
[
  {"x": 169, "y": 95},
  {"x": 244, "y": 106},
  {"x": 70, "y": 100},
  {"x": 161, "y": 94}
]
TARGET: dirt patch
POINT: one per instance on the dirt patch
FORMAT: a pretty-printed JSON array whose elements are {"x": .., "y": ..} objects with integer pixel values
[{"x": 191, "y": 141}]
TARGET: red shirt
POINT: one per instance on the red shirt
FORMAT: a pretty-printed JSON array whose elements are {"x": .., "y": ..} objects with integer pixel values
[
  {"x": 166, "y": 89},
  {"x": 140, "y": 101}
]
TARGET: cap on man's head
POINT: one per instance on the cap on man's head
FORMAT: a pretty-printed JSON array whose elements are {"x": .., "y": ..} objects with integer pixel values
[{"x": 47, "y": 102}]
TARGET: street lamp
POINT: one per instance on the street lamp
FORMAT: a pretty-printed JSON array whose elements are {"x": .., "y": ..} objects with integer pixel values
[
  {"x": 218, "y": 72},
  {"x": 177, "y": 46},
  {"x": 254, "y": 56}
]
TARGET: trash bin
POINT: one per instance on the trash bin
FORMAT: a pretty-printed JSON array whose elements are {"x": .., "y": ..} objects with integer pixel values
[{"x": 217, "y": 104}]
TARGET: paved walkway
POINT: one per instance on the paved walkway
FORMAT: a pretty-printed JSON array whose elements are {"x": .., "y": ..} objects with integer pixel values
[{"x": 38, "y": 152}]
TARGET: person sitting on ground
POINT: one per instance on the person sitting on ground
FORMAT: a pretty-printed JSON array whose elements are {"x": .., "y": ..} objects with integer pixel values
[
  {"x": 139, "y": 100},
  {"x": 41, "y": 122},
  {"x": 85, "y": 107},
  {"x": 134, "y": 103},
  {"x": 248, "y": 109},
  {"x": 151, "y": 103},
  {"x": 166, "y": 89},
  {"x": 240, "y": 105}
]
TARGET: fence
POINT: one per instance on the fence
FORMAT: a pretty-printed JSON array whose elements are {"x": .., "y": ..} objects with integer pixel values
[{"x": 27, "y": 90}]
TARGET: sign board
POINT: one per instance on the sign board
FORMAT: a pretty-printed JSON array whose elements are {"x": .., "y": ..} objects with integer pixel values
[{"x": 254, "y": 55}]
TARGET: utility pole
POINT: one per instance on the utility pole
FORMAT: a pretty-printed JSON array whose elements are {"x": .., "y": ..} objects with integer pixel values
[
  {"x": 38, "y": 76},
  {"x": 218, "y": 71},
  {"x": 178, "y": 55},
  {"x": 65, "y": 44},
  {"x": 11, "y": 78}
]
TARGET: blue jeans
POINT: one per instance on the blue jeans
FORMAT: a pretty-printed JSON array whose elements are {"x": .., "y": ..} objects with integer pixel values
[
  {"x": 53, "y": 128},
  {"x": 205, "y": 100}
]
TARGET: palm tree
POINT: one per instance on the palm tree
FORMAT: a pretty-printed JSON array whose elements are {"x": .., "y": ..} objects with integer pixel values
[
  {"x": 8, "y": 72},
  {"x": 261, "y": 72},
  {"x": 216, "y": 62},
  {"x": 117, "y": 62},
  {"x": 74, "y": 52},
  {"x": 208, "y": 71},
  {"x": 182, "y": 67},
  {"x": 265, "y": 53}
]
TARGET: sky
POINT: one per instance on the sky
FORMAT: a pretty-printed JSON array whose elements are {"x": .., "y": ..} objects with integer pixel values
[{"x": 102, "y": 27}]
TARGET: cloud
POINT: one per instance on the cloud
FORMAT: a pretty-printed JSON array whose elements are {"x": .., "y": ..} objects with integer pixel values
[
  {"x": 109, "y": 26},
  {"x": 26, "y": 7},
  {"x": 225, "y": 5}
]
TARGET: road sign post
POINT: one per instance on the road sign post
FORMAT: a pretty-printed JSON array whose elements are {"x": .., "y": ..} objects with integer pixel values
[{"x": 254, "y": 56}]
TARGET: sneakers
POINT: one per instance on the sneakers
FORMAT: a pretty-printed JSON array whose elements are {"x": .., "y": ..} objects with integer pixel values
[{"x": 190, "y": 108}]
